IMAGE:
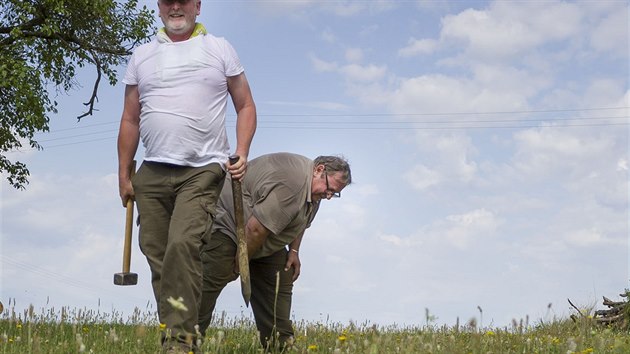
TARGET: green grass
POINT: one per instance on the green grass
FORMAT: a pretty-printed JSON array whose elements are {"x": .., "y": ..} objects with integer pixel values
[{"x": 75, "y": 331}]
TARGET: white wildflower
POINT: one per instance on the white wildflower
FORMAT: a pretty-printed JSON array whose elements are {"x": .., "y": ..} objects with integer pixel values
[{"x": 177, "y": 304}]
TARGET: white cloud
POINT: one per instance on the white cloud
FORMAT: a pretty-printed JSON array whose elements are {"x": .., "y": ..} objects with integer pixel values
[
  {"x": 509, "y": 29},
  {"x": 417, "y": 47},
  {"x": 365, "y": 190},
  {"x": 355, "y": 214},
  {"x": 347, "y": 9},
  {"x": 22, "y": 154},
  {"x": 585, "y": 238},
  {"x": 302, "y": 8},
  {"x": 461, "y": 231},
  {"x": 361, "y": 73},
  {"x": 601, "y": 92},
  {"x": 450, "y": 157},
  {"x": 547, "y": 151},
  {"x": 369, "y": 30},
  {"x": 322, "y": 65},
  {"x": 295, "y": 9},
  {"x": 354, "y": 55},
  {"x": 353, "y": 73},
  {"x": 330, "y": 106},
  {"x": 393, "y": 239},
  {"x": 496, "y": 79},
  {"x": 433, "y": 4},
  {"x": 329, "y": 36},
  {"x": 550, "y": 140},
  {"x": 445, "y": 94},
  {"x": 611, "y": 34},
  {"x": 421, "y": 177},
  {"x": 431, "y": 93}
]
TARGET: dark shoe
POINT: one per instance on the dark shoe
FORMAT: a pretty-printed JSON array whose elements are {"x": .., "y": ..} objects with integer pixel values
[{"x": 174, "y": 347}]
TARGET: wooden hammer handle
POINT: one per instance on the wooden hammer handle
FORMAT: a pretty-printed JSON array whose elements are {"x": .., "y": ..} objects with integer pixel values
[
  {"x": 241, "y": 247},
  {"x": 128, "y": 226}
]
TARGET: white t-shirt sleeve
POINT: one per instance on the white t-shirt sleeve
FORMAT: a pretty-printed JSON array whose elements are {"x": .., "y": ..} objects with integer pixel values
[
  {"x": 233, "y": 65},
  {"x": 131, "y": 74}
]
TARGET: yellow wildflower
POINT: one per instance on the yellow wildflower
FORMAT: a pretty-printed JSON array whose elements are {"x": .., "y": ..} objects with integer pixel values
[
  {"x": 342, "y": 338},
  {"x": 312, "y": 347},
  {"x": 162, "y": 325},
  {"x": 489, "y": 333}
]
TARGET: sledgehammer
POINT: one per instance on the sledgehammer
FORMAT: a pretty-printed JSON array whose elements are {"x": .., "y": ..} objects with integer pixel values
[
  {"x": 241, "y": 247},
  {"x": 126, "y": 277}
]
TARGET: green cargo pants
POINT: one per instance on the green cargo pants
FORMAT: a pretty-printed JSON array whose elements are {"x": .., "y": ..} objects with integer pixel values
[
  {"x": 176, "y": 207},
  {"x": 218, "y": 257}
]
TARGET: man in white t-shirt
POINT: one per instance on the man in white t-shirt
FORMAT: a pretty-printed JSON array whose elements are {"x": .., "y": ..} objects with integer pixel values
[{"x": 175, "y": 101}]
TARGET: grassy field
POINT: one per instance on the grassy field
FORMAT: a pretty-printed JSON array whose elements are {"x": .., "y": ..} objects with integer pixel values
[{"x": 75, "y": 331}]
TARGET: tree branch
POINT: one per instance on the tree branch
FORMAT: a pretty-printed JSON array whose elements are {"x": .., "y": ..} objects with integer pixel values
[
  {"x": 575, "y": 307},
  {"x": 94, "y": 96},
  {"x": 74, "y": 39},
  {"x": 35, "y": 21}
]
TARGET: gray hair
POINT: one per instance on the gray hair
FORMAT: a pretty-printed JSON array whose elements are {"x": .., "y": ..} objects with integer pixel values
[{"x": 336, "y": 164}]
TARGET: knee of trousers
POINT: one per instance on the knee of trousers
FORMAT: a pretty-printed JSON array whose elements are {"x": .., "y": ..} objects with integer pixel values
[{"x": 185, "y": 246}]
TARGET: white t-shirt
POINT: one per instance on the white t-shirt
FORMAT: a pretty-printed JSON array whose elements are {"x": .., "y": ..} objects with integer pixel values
[{"x": 183, "y": 98}]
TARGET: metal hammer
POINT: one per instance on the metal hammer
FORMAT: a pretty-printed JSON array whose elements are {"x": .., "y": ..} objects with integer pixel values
[{"x": 126, "y": 277}]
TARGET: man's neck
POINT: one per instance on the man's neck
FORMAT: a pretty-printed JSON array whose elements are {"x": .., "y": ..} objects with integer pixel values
[
  {"x": 199, "y": 29},
  {"x": 179, "y": 37}
]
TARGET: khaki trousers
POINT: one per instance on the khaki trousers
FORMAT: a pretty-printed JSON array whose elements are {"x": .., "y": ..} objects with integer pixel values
[
  {"x": 176, "y": 207},
  {"x": 271, "y": 311}
]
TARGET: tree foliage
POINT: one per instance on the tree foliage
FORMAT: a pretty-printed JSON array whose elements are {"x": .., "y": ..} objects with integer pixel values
[{"x": 42, "y": 45}]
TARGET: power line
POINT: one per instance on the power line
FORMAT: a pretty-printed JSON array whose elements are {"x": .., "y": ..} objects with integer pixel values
[
  {"x": 452, "y": 128},
  {"x": 49, "y": 275},
  {"x": 383, "y": 129},
  {"x": 388, "y": 125},
  {"x": 365, "y": 115},
  {"x": 443, "y": 122},
  {"x": 78, "y": 135},
  {"x": 452, "y": 113},
  {"x": 460, "y": 121}
]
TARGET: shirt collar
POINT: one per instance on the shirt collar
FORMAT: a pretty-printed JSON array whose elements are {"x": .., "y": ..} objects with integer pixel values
[{"x": 199, "y": 29}]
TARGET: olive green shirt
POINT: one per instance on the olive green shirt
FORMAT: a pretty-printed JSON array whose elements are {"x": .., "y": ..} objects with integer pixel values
[{"x": 277, "y": 192}]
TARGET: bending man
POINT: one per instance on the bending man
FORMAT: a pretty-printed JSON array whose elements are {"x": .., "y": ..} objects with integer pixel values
[{"x": 281, "y": 195}]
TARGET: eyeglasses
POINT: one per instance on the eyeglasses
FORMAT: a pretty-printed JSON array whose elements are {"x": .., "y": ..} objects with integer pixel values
[{"x": 333, "y": 194}]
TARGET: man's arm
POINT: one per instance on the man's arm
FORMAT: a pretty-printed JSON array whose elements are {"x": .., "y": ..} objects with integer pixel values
[
  {"x": 245, "y": 122},
  {"x": 128, "y": 138},
  {"x": 294, "y": 246},
  {"x": 256, "y": 234},
  {"x": 293, "y": 259}
]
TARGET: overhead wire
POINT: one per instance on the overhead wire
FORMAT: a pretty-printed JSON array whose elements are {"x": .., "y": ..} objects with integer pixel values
[
  {"x": 58, "y": 277},
  {"x": 364, "y": 122}
]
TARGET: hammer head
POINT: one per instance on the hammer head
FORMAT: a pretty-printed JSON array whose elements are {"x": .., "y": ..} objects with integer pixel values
[{"x": 126, "y": 278}]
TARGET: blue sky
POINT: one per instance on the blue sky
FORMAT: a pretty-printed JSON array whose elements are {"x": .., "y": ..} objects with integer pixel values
[{"x": 488, "y": 143}]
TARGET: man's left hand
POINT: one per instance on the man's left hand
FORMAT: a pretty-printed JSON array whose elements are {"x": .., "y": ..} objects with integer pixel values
[{"x": 293, "y": 260}]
